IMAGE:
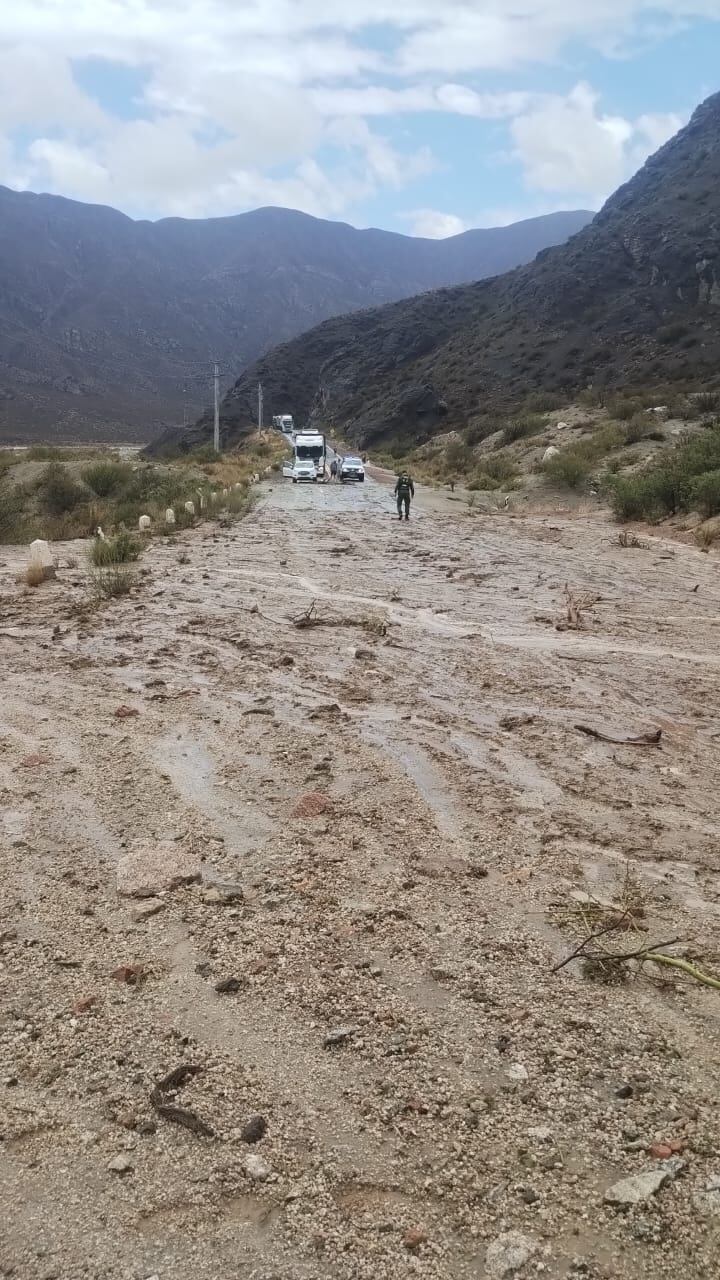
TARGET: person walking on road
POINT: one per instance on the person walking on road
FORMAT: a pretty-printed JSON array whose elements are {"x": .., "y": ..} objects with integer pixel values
[
  {"x": 333, "y": 469},
  {"x": 404, "y": 491}
]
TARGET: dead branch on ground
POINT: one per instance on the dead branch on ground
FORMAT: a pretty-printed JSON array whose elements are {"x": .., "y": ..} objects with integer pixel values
[
  {"x": 650, "y": 739},
  {"x": 311, "y": 618}
]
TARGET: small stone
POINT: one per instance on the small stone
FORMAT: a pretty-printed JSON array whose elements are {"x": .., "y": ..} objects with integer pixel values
[
  {"x": 127, "y": 1119},
  {"x": 508, "y": 1254},
  {"x": 149, "y": 908},
  {"x": 222, "y": 895},
  {"x": 228, "y": 986},
  {"x": 121, "y": 1165},
  {"x": 149, "y": 866},
  {"x": 528, "y": 1196},
  {"x": 257, "y": 1169},
  {"x": 338, "y": 1036},
  {"x": 640, "y": 1187},
  {"x": 254, "y": 1130},
  {"x": 312, "y": 805},
  {"x": 414, "y": 1238},
  {"x": 625, "y": 1091},
  {"x": 540, "y": 1133},
  {"x": 516, "y": 1071}
]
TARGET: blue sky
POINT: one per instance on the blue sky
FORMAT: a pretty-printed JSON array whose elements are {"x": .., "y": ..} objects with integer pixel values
[{"x": 413, "y": 115}]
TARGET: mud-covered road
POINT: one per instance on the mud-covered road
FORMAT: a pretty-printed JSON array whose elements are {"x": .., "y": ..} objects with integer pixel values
[{"x": 400, "y": 832}]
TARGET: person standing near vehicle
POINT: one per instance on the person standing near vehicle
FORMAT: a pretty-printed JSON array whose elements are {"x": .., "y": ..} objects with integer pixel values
[
  {"x": 333, "y": 469},
  {"x": 404, "y": 491}
]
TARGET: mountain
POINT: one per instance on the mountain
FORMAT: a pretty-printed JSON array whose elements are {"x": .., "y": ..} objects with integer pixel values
[
  {"x": 633, "y": 298},
  {"x": 104, "y": 320}
]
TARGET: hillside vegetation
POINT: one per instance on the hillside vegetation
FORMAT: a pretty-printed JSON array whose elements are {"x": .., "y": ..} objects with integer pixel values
[{"x": 646, "y": 459}]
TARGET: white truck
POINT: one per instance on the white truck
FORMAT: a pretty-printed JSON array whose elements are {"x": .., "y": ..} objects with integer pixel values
[
  {"x": 284, "y": 422},
  {"x": 310, "y": 445}
]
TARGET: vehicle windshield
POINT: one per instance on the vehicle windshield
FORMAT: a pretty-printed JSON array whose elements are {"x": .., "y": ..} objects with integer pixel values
[
  {"x": 309, "y": 452},
  {"x": 352, "y": 462}
]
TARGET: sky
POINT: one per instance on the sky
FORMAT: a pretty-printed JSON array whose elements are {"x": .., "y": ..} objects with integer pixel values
[{"x": 420, "y": 116}]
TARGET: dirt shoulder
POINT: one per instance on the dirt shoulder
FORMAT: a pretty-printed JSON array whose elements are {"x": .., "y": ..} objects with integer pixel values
[{"x": 382, "y": 833}]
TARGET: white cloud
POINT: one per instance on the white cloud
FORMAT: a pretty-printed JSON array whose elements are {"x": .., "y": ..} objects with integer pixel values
[
  {"x": 434, "y": 225},
  {"x": 566, "y": 145},
  {"x": 249, "y": 101}
]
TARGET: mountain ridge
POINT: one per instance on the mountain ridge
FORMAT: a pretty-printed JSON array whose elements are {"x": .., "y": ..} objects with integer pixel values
[
  {"x": 633, "y": 297},
  {"x": 104, "y": 319}
]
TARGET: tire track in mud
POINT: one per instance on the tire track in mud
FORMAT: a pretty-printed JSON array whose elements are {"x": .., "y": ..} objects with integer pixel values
[{"x": 377, "y": 915}]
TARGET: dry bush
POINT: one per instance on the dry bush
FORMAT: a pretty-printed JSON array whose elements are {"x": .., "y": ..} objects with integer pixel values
[{"x": 35, "y": 575}]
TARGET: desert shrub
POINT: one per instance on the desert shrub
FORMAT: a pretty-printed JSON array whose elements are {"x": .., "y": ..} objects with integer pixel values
[
  {"x": 12, "y": 501},
  {"x": 522, "y": 427},
  {"x": 476, "y": 432},
  {"x": 543, "y": 402},
  {"x": 646, "y": 495},
  {"x": 637, "y": 428},
  {"x": 57, "y": 490},
  {"x": 705, "y": 536},
  {"x": 458, "y": 456},
  {"x": 118, "y": 550},
  {"x": 35, "y": 575},
  {"x": 107, "y": 478},
  {"x": 43, "y": 453},
  {"x": 570, "y": 468},
  {"x": 499, "y": 467},
  {"x": 111, "y": 581},
  {"x": 707, "y": 401},
  {"x": 703, "y": 493},
  {"x": 624, "y": 409}
]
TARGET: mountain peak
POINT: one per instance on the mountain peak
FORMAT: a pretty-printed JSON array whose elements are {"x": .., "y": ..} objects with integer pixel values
[
  {"x": 633, "y": 298},
  {"x": 105, "y": 321}
]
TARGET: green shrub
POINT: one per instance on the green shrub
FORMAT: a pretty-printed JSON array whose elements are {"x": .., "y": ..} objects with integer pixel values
[
  {"x": 637, "y": 428},
  {"x": 521, "y": 428},
  {"x": 114, "y": 580},
  {"x": 646, "y": 495},
  {"x": 707, "y": 401},
  {"x": 43, "y": 453},
  {"x": 476, "y": 432},
  {"x": 623, "y": 409},
  {"x": 107, "y": 478},
  {"x": 12, "y": 501},
  {"x": 117, "y": 550},
  {"x": 570, "y": 468},
  {"x": 544, "y": 402},
  {"x": 704, "y": 493},
  {"x": 57, "y": 490}
]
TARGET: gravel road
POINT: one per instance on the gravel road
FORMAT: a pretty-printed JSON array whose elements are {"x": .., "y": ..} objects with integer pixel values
[{"x": 280, "y": 905}]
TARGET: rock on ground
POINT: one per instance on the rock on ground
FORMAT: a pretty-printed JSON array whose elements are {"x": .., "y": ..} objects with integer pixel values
[{"x": 150, "y": 866}]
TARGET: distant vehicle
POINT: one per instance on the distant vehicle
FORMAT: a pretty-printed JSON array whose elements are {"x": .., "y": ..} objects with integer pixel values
[
  {"x": 304, "y": 471},
  {"x": 351, "y": 468},
  {"x": 310, "y": 447},
  {"x": 284, "y": 422}
]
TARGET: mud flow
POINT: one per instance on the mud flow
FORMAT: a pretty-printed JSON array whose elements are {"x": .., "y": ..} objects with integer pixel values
[{"x": 332, "y": 864}]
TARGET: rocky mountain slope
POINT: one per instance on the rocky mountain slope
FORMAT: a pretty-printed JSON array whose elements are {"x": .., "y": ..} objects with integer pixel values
[
  {"x": 104, "y": 320},
  {"x": 633, "y": 299}
]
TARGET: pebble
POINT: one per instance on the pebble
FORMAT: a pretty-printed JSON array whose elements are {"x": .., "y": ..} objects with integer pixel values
[
  {"x": 121, "y": 1165},
  {"x": 516, "y": 1071},
  {"x": 150, "y": 866},
  {"x": 257, "y": 1169},
  {"x": 508, "y": 1254},
  {"x": 414, "y": 1238},
  {"x": 640, "y": 1187},
  {"x": 255, "y": 1129},
  {"x": 338, "y": 1036}
]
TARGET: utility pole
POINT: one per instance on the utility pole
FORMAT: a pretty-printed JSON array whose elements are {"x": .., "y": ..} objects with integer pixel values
[
  {"x": 216, "y": 421},
  {"x": 260, "y": 406}
]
